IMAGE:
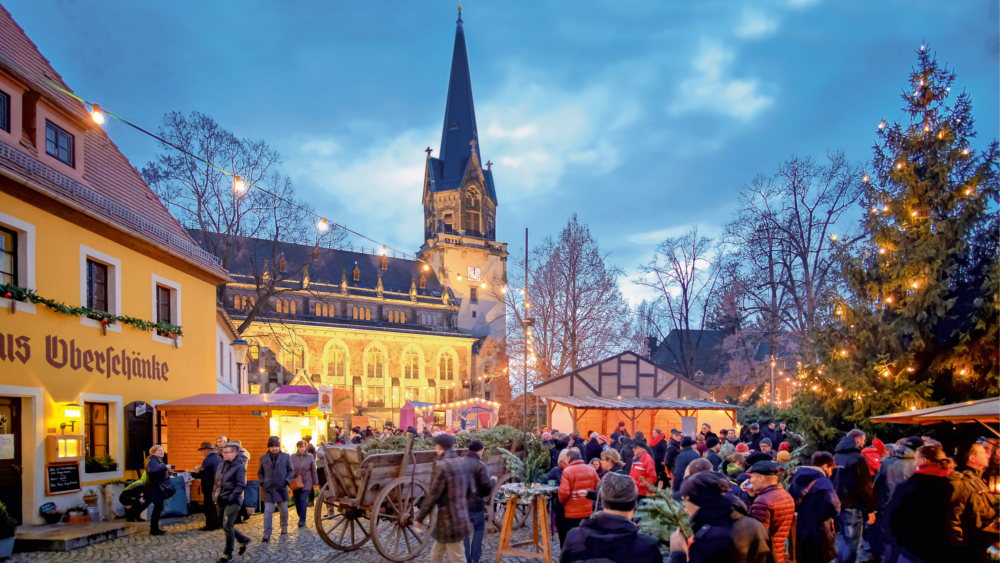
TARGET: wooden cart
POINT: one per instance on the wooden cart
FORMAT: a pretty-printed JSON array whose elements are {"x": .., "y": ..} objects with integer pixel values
[{"x": 377, "y": 497}]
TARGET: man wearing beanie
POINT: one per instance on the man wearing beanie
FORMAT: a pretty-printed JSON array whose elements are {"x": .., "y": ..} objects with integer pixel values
[
  {"x": 449, "y": 493},
  {"x": 687, "y": 455},
  {"x": 753, "y": 440},
  {"x": 742, "y": 449},
  {"x": 610, "y": 535},
  {"x": 772, "y": 505},
  {"x": 766, "y": 448},
  {"x": 275, "y": 472},
  {"x": 481, "y": 487},
  {"x": 723, "y": 531},
  {"x": 712, "y": 454}
]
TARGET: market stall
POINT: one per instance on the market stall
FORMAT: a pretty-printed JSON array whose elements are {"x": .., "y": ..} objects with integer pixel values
[
  {"x": 460, "y": 415},
  {"x": 602, "y": 414},
  {"x": 984, "y": 411}
]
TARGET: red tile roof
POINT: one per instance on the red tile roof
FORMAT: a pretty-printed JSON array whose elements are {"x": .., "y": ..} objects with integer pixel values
[{"x": 106, "y": 170}]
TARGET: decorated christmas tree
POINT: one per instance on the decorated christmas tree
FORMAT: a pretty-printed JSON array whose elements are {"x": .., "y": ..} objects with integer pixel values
[{"x": 915, "y": 323}]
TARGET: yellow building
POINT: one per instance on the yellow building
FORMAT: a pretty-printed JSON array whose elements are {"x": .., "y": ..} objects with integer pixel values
[{"x": 80, "y": 228}]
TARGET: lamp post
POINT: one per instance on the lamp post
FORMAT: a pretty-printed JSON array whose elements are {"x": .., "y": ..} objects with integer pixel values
[
  {"x": 240, "y": 348},
  {"x": 772, "y": 384}
]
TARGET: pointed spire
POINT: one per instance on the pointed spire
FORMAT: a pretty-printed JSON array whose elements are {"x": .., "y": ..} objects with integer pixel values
[{"x": 460, "y": 113}]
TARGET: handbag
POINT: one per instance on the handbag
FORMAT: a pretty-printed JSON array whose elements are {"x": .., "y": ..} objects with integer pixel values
[{"x": 296, "y": 482}]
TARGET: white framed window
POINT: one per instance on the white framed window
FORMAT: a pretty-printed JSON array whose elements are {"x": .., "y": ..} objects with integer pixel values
[
  {"x": 112, "y": 433},
  {"x": 19, "y": 258},
  {"x": 166, "y": 306},
  {"x": 100, "y": 277}
]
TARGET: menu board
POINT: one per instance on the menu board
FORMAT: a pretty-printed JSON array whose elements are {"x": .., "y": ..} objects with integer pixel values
[{"x": 61, "y": 479}]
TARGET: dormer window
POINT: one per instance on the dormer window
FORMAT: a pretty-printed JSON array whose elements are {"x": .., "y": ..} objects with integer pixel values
[
  {"x": 453, "y": 125},
  {"x": 59, "y": 144},
  {"x": 5, "y": 111},
  {"x": 423, "y": 282},
  {"x": 356, "y": 274},
  {"x": 385, "y": 263}
]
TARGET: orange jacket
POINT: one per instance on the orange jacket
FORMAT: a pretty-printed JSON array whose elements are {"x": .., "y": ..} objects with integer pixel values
[
  {"x": 578, "y": 476},
  {"x": 643, "y": 467}
]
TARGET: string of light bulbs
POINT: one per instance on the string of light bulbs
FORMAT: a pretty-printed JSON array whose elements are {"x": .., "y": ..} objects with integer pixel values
[{"x": 240, "y": 186}]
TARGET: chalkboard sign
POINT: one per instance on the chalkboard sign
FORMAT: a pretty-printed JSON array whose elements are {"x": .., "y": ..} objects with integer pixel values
[{"x": 62, "y": 479}]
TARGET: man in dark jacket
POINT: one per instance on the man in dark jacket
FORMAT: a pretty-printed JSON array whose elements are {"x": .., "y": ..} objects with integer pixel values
[
  {"x": 593, "y": 448},
  {"x": 625, "y": 451},
  {"x": 622, "y": 431},
  {"x": 659, "y": 444},
  {"x": 817, "y": 507},
  {"x": 854, "y": 485},
  {"x": 610, "y": 534},
  {"x": 772, "y": 506},
  {"x": 686, "y": 456},
  {"x": 712, "y": 453},
  {"x": 723, "y": 531},
  {"x": 206, "y": 472},
  {"x": 481, "y": 487},
  {"x": 781, "y": 433},
  {"x": 230, "y": 481},
  {"x": 561, "y": 443},
  {"x": 274, "y": 472},
  {"x": 894, "y": 471},
  {"x": 753, "y": 440},
  {"x": 577, "y": 441},
  {"x": 449, "y": 492},
  {"x": 673, "y": 448},
  {"x": 972, "y": 518}
]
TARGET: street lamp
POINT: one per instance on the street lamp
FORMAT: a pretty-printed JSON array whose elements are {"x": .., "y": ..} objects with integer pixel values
[{"x": 240, "y": 348}]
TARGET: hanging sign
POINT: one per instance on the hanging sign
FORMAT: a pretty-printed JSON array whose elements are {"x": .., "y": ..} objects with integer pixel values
[
  {"x": 140, "y": 409},
  {"x": 325, "y": 398},
  {"x": 6, "y": 446}
]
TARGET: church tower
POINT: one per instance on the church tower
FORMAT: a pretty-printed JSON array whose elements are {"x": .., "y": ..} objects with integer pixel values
[{"x": 460, "y": 206}]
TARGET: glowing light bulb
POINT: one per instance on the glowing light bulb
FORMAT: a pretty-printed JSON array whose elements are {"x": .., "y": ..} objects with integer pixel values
[
  {"x": 899, "y": 166},
  {"x": 864, "y": 178},
  {"x": 885, "y": 208},
  {"x": 382, "y": 250},
  {"x": 965, "y": 151},
  {"x": 815, "y": 387},
  {"x": 888, "y": 299},
  {"x": 96, "y": 115},
  {"x": 881, "y": 251},
  {"x": 483, "y": 286},
  {"x": 239, "y": 185},
  {"x": 503, "y": 290},
  {"x": 322, "y": 225},
  {"x": 833, "y": 238},
  {"x": 913, "y": 408},
  {"x": 459, "y": 277},
  {"x": 915, "y": 213},
  {"x": 926, "y": 127},
  {"x": 909, "y": 370},
  {"x": 874, "y": 210},
  {"x": 962, "y": 372},
  {"x": 881, "y": 125},
  {"x": 840, "y": 389},
  {"x": 916, "y": 285},
  {"x": 887, "y": 373},
  {"x": 843, "y": 352}
]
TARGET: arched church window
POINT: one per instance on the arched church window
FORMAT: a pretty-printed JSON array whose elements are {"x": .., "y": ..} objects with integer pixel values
[
  {"x": 411, "y": 365},
  {"x": 446, "y": 369},
  {"x": 336, "y": 362},
  {"x": 374, "y": 361}
]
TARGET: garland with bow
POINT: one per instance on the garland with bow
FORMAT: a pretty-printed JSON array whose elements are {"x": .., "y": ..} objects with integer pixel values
[{"x": 17, "y": 293}]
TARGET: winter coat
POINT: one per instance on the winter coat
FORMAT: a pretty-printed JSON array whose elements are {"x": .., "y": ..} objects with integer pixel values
[
  {"x": 774, "y": 508},
  {"x": 817, "y": 507},
  {"x": 851, "y": 478},
  {"x": 578, "y": 476},
  {"x": 157, "y": 477},
  {"x": 554, "y": 452},
  {"x": 449, "y": 492},
  {"x": 480, "y": 483},
  {"x": 670, "y": 457},
  {"x": 918, "y": 516},
  {"x": 780, "y": 436},
  {"x": 724, "y": 533},
  {"x": 753, "y": 440},
  {"x": 659, "y": 445},
  {"x": 230, "y": 481},
  {"x": 593, "y": 450},
  {"x": 207, "y": 472},
  {"x": 274, "y": 477},
  {"x": 873, "y": 459},
  {"x": 625, "y": 449},
  {"x": 684, "y": 458},
  {"x": 643, "y": 468},
  {"x": 713, "y": 456},
  {"x": 304, "y": 465},
  {"x": 970, "y": 512},
  {"x": 579, "y": 444},
  {"x": 895, "y": 470},
  {"x": 609, "y": 537}
]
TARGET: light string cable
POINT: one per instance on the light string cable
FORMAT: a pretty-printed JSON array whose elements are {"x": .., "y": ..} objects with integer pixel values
[{"x": 97, "y": 112}]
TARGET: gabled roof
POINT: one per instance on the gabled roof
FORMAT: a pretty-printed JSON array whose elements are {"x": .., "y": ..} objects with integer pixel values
[
  {"x": 709, "y": 358},
  {"x": 114, "y": 189},
  {"x": 459, "y": 113}
]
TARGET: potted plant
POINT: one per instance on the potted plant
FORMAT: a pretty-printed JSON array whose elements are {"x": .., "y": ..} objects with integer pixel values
[
  {"x": 78, "y": 515},
  {"x": 101, "y": 464},
  {"x": 7, "y": 528},
  {"x": 90, "y": 497}
]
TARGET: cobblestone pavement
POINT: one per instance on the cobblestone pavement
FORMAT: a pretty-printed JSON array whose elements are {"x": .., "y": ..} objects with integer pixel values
[{"x": 184, "y": 542}]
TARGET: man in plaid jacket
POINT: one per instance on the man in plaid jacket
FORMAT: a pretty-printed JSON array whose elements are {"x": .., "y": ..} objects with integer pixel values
[{"x": 449, "y": 493}]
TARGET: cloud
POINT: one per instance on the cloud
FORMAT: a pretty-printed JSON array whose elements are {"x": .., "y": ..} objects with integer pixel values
[
  {"x": 711, "y": 90},
  {"x": 755, "y": 24}
]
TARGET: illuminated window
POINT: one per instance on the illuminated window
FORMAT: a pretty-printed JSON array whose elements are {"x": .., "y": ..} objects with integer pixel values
[
  {"x": 97, "y": 285},
  {"x": 319, "y": 310},
  {"x": 356, "y": 274},
  {"x": 354, "y": 313},
  {"x": 292, "y": 303},
  {"x": 96, "y": 429},
  {"x": 374, "y": 362},
  {"x": 446, "y": 369},
  {"x": 368, "y": 314},
  {"x": 411, "y": 365},
  {"x": 375, "y": 394},
  {"x": 423, "y": 282},
  {"x": 336, "y": 362},
  {"x": 8, "y": 257}
]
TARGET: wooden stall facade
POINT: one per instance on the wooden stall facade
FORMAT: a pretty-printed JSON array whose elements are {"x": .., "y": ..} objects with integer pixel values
[
  {"x": 603, "y": 415},
  {"x": 245, "y": 418}
]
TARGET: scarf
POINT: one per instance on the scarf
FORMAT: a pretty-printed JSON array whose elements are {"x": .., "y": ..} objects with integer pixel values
[
  {"x": 656, "y": 439},
  {"x": 274, "y": 457},
  {"x": 935, "y": 471}
]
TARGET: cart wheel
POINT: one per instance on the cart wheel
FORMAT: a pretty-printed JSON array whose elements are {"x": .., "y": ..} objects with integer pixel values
[
  {"x": 339, "y": 526},
  {"x": 498, "y": 507},
  {"x": 392, "y": 522}
]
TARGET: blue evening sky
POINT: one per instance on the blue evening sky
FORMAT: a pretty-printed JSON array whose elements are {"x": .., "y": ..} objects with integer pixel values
[{"x": 644, "y": 118}]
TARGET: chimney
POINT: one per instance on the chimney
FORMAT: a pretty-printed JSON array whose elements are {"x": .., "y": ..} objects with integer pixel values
[{"x": 650, "y": 348}]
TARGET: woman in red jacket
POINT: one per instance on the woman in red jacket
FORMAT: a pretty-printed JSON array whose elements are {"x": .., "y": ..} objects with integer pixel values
[
  {"x": 642, "y": 468},
  {"x": 577, "y": 480}
]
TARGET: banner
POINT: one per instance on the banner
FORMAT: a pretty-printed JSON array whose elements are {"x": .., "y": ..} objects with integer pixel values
[{"x": 325, "y": 398}]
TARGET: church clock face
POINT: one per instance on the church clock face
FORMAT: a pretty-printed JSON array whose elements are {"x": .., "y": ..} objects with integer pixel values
[{"x": 475, "y": 274}]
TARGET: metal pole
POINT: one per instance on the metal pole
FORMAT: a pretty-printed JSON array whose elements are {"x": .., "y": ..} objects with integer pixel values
[
  {"x": 772, "y": 384},
  {"x": 525, "y": 327}
]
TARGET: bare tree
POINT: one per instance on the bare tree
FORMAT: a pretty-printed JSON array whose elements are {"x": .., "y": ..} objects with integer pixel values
[
  {"x": 580, "y": 315},
  {"x": 236, "y": 222},
  {"x": 685, "y": 274}
]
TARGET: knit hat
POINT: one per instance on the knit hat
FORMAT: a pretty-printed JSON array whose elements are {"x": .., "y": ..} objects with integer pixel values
[
  {"x": 711, "y": 442},
  {"x": 755, "y": 426},
  {"x": 742, "y": 448},
  {"x": 594, "y": 434},
  {"x": 763, "y": 468},
  {"x": 701, "y": 447},
  {"x": 273, "y": 441},
  {"x": 766, "y": 441},
  {"x": 618, "y": 489},
  {"x": 546, "y": 436},
  {"x": 878, "y": 445},
  {"x": 784, "y": 447},
  {"x": 700, "y": 488},
  {"x": 603, "y": 438},
  {"x": 475, "y": 446},
  {"x": 914, "y": 442},
  {"x": 783, "y": 456},
  {"x": 756, "y": 457},
  {"x": 446, "y": 441}
]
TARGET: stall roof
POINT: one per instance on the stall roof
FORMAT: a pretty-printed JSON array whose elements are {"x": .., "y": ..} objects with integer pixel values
[
  {"x": 985, "y": 410},
  {"x": 639, "y": 403},
  {"x": 272, "y": 400},
  {"x": 418, "y": 404},
  {"x": 296, "y": 389}
]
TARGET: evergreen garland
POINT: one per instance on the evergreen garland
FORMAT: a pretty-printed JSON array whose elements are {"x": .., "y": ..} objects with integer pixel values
[
  {"x": 18, "y": 293},
  {"x": 661, "y": 515}
]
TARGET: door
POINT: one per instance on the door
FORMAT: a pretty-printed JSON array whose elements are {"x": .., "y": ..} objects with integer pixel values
[{"x": 10, "y": 455}]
